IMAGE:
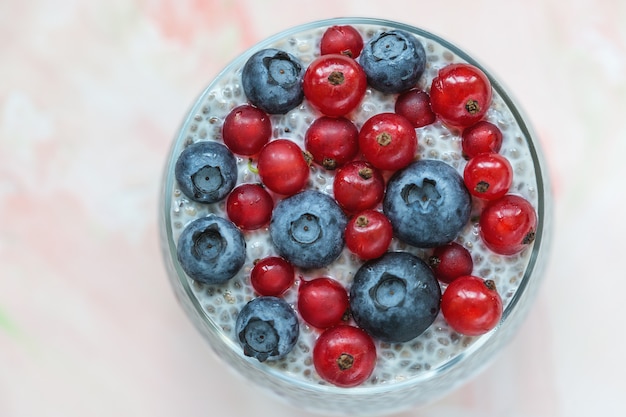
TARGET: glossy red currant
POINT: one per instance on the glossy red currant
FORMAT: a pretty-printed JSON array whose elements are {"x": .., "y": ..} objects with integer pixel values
[
  {"x": 451, "y": 261},
  {"x": 460, "y": 94},
  {"x": 332, "y": 141},
  {"x": 508, "y": 224},
  {"x": 415, "y": 106},
  {"x": 488, "y": 176},
  {"x": 341, "y": 39},
  {"x": 388, "y": 141},
  {"x": 334, "y": 84},
  {"x": 282, "y": 167},
  {"x": 344, "y": 356},
  {"x": 482, "y": 137},
  {"x": 249, "y": 206},
  {"x": 272, "y": 276},
  {"x": 246, "y": 130},
  {"x": 368, "y": 234},
  {"x": 471, "y": 305},
  {"x": 322, "y": 302},
  {"x": 358, "y": 186}
]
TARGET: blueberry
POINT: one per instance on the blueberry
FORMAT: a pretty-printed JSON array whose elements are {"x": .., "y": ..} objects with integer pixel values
[
  {"x": 308, "y": 229},
  {"x": 393, "y": 61},
  {"x": 427, "y": 203},
  {"x": 395, "y": 297},
  {"x": 211, "y": 249},
  {"x": 272, "y": 81},
  {"x": 267, "y": 328},
  {"x": 206, "y": 171}
]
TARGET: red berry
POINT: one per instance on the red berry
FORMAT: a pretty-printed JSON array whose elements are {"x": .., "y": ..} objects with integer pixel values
[
  {"x": 415, "y": 106},
  {"x": 332, "y": 141},
  {"x": 344, "y": 355},
  {"x": 358, "y": 186},
  {"x": 482, "y": 137},
  {"x": 283, "y": 167},
  {"x": 451, "y": 261},
  {"x": 471, "y": 305},
  {"x": 488, "y": 176},
  {"x": 508, "y": 224},
  {"x": 344, "y": 40},
  {"x": 368, "y": 234},
  {"x": 388, "y": 141},
  {"x": 272, "y": 276},
  {"x": 249, "y": 206},
  {"x": 460, "y": 94},
  {"x": 246, "y": 129},
  {"x": 334, "y": 84},
  {"x": 322, "y": 302}
]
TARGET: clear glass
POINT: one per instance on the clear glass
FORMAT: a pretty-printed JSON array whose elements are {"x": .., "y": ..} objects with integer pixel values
[{"x": 457, "y": 357}]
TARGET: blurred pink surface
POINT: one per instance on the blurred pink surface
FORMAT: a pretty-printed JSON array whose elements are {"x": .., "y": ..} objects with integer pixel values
[{"x": 91, "y": 96}]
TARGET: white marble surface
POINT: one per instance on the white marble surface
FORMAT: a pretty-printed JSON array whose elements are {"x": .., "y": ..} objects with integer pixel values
[{"x": 91, "y": 95}]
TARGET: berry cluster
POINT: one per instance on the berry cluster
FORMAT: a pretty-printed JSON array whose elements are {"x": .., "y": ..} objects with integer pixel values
[{"x": 381, "y": 191}]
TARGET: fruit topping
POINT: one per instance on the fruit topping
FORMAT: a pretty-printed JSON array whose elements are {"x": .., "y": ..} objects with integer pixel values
[
  {"x": 427, "y": 203},
  {"x": 332, "y": 141},
  {"x": 206, "y": 171},
  {"x": 211, "y": 249},
  {"x": 395, "y": 297},
  {"x": 460, "y": 94},
  {"x": 450, "y": 261},
  {"x": 267, "y": 328},
  {"x": 471, "y": 305},
  {"x": 322, "y": 302},
  {"x": 246, "y": 129},
  {"x": 307, "y": 229},
  {"x": 508, "y": 224},
  {"x": 344, "y": 356},
  {"x": 272, "y": 81},
  {"x": 388, "y": 141},
  {"x": 393, "y": 61}
]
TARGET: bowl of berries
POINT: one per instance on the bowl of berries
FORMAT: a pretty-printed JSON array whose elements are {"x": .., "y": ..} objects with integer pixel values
[{"x": 355, "y": 215}]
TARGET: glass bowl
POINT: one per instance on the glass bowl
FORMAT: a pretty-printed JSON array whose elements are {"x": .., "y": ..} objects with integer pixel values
[{"x": 407, "y": 374}]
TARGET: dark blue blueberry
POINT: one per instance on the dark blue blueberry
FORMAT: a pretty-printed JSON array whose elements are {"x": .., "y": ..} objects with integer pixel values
[
  {"x": 395, "y": 297},
  {"x": 308, "y": 229},
  {"x": 393, "y": 61},
  {"x": 427, "y": 203},
  {"x": 267, "y": 328},
  {"x": 206, "y": 171},
  {"x": 211, "y": 249},
  {"x": 272, "y": 81}
]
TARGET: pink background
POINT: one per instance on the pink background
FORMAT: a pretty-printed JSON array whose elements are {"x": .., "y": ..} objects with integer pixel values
[{"x": 91, "y": 96}]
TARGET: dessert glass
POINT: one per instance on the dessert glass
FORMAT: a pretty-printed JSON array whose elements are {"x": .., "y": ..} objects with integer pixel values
[{"x": 407, "y": 374}]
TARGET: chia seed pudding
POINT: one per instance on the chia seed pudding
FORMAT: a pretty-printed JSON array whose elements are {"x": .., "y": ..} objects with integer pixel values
[{"x": 401, "y": 367}]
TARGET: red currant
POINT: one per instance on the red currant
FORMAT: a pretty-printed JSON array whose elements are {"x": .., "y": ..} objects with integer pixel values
[
  {"x": 368, "y": 234},
  {"x": 488, "y": 176},
  {"x": 471, "y": 305},
  {"x": 415, "y": 106},
  {"x": 344, "y": 355},
  {"x": 249, "y": 206},
  {"x": 358, "y": 186},
  {"x": 322, "y": 302},
  {"x": 334, "y": 84},
  {"x": 482, "y": 137},
  {"x": 388, "y": 141},
  {"x": 272, "y": 276},
  {"x": 283, "y": 167},
  {"x": 341, "y": 39},
  {"x": 246, "y": 130},
  {"x": 460, "y": 94},
  {"x": 451, "y": 261},
  {"x": 332, "y": 141},
  {"x": 508, "y": 224}
]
